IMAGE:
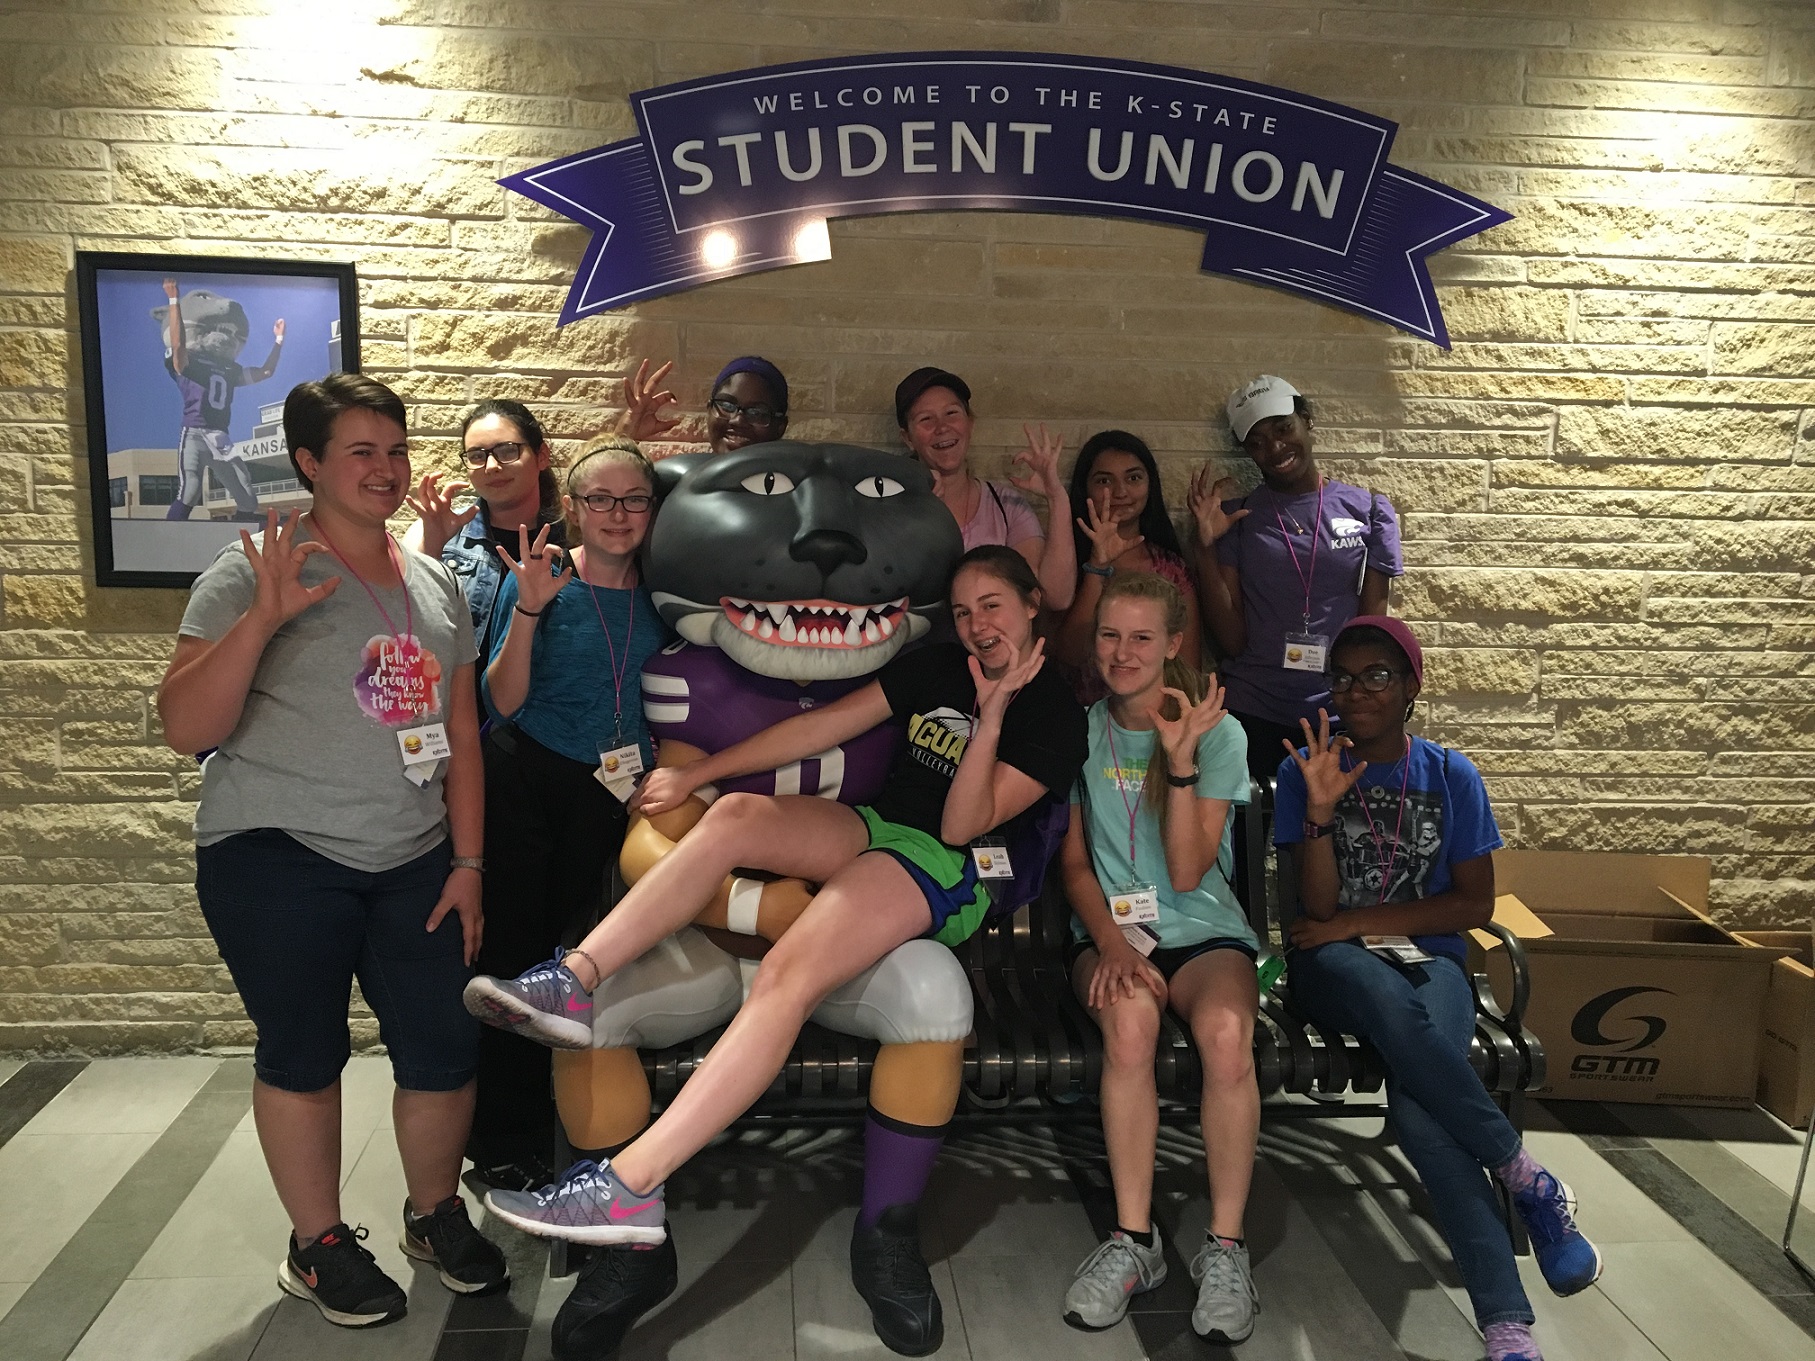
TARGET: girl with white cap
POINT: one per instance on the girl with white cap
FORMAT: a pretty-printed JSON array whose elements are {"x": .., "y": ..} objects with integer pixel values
[{"x": 1282, "y": 569}]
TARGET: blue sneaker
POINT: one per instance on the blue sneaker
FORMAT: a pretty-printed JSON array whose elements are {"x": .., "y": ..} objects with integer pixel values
[
  {"x": 1570, "y": 1263},
  {"x": 588, "y": 1205},
  {"x": 545, "y": 1003}
]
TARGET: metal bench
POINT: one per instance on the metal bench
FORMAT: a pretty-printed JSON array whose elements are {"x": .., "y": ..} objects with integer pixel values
[{"x": 1036, "y": 1056}]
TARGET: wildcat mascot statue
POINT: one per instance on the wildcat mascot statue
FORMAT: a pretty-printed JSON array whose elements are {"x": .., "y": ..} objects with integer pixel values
[{"x": 792, "y": 572}]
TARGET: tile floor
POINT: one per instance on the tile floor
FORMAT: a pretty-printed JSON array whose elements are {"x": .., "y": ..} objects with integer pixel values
[{"x": 154, "y": 1233}]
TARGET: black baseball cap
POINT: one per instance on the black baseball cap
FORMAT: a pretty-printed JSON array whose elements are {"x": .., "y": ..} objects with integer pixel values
[{"x": 908, "y": 390}]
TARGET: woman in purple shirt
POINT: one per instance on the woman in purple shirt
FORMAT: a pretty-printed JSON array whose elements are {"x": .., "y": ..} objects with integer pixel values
[{"x": 1282, "y": 569}]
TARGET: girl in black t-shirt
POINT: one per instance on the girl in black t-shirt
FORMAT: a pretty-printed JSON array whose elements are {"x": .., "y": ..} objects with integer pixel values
[{"x": 988, "y": 729}]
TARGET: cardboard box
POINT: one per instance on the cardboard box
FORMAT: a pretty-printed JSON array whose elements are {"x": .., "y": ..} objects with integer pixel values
[
  {"x": 1636, "y": 994},
  {"x": 1786, "y": 1053}
]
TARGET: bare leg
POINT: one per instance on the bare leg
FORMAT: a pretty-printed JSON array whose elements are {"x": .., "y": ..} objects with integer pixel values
[
  {"x": 809, "y": 838},
  {"x": 1216, "y": 995},
  {"x": 1129, "y": 1099},
  {"x": 431, "y": 1130},
  {"x": 300, "y": 1134},
  {"x": 863, "y": 912}
]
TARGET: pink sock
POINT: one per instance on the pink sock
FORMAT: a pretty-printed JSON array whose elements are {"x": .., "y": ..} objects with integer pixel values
[
  {"x": 1505, "y": 1340},
  {"x": 1521, "y": 1173}
]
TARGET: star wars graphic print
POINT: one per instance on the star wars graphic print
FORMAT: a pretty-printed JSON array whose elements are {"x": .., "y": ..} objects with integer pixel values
[{"x": 1366, "y": 856}]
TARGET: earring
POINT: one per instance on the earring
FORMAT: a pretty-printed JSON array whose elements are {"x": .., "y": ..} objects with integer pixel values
[{"x": 1410, "y": 705}]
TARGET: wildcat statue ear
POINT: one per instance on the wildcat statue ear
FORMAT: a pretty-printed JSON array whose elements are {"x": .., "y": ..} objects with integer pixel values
[{"x": 669, "y": 471}]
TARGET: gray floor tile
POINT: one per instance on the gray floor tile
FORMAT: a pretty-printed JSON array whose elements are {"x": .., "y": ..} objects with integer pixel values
[
  {"x": 8, "y": 1067},
  {"x": 1610, "y": 1209},
  {"x": 298, "y": 1332},
  {"x": 219, "y": 1319},
  {"x": 231, "y": 1225},
  {"x": 1584, "y": 1327},
  {"x": 727, "y": 1309},
  {"x": 9, "y": 1294},
  {"x": 1764, "y": 1143},
  {"x": 53, "y": 1182},
  {"x": 833, "y": 1322},
  {"x": 1693, "y": 1307},
  {"x": 124, "y": 1096},
  {"x": 1010, "y": 1308},
  {"x": 1007, "y": 1216}
]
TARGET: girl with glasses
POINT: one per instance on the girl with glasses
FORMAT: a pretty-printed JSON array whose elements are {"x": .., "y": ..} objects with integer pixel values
[
  {"x": 749, "y": 405},
  {"x": 1392, "y": 841},
  {"x": 562, "y": 684}
]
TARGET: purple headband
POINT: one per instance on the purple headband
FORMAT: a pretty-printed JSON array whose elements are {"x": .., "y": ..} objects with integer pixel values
[{"x": 763, "y": 369}]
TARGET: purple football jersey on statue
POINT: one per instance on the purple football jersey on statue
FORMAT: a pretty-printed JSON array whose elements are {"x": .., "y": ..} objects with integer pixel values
[{"x": 700, "y": 696}]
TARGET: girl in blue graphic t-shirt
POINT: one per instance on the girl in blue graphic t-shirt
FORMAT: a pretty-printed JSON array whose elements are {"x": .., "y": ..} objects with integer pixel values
[
  {"x": 1146, "y": 865},
  {"x": 1393, "y": 847}
]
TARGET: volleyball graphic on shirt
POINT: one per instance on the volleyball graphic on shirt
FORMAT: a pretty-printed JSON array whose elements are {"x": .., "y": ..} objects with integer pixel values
[{"x": 398, "y": 681}]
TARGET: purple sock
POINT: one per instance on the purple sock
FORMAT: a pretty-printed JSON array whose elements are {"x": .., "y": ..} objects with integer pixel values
[
  {"x": 1505, "y": 1340},
  {"x": 1521, "y": 1173},
  {"x": 897, "y": 1160}
]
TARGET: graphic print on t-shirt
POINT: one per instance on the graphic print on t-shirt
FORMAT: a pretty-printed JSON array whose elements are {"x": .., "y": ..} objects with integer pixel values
[
  {"x": 938, "y": 739},
  {"x": 1361, "y": 864},
  {"x": 398, "y": 681}
]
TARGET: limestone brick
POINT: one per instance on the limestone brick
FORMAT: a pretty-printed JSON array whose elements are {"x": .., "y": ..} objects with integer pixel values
[{"x": 1606, "y": 488}]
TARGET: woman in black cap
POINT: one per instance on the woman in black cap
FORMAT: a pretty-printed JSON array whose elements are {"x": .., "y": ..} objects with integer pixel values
[{"x": 933, "y": 409}]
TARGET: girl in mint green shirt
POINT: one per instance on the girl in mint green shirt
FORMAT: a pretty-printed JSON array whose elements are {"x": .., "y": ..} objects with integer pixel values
[{"x": 1146, "y": 866}]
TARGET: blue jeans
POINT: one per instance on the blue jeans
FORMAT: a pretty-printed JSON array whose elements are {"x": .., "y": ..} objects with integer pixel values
[{"x": 1421, "y": 1018}]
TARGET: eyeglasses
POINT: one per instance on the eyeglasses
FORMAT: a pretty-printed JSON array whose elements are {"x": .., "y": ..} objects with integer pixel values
[
  {"x": 759, "y": 414},
  {"x": 600, "y": 502},
  {"x": 1374, "y": 680},
  {"x": 506, "y": 453}
]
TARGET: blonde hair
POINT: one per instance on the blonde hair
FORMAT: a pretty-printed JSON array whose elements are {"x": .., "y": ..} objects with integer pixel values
[
  {"x": 1177, "y": 672},
  {"x": 612, "y": 449}
]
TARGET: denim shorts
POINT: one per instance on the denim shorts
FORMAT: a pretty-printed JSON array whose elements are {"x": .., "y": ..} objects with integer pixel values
[{"x": 296, "y": 928}]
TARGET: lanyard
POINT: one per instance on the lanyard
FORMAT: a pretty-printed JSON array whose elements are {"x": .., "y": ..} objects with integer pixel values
[
  {"x": 390, "y": 544},
  {"x": 1386, "y": 880},
  {"x": 617, "y": 668},
  {"x": 1139, "y": 794},
  {"x": 1303, "y": 575}
]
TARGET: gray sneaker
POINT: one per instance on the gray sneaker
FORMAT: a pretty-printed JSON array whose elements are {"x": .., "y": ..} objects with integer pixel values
[
  {"x": 1226, "y": 1298},
  {"x": 545, "y": 1003},
  {"x": 1114, "y": 1273}
]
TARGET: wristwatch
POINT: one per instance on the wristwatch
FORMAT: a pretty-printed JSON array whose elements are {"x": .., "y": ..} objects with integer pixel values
[
  {"x": 1183, "y": 781},
  {"x": 468, "y": 862},
  {"x": 1313, "y": 830}
]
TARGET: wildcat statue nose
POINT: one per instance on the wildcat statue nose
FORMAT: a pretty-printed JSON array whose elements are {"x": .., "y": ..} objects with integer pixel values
[{"x": 828, "y": 549}]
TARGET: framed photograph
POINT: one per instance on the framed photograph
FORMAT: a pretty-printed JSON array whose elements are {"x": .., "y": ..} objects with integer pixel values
[{"x": 186, "y": 361}]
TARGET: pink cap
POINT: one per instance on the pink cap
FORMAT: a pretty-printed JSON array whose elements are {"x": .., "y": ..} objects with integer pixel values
[{"x": 1395, "y": 629}]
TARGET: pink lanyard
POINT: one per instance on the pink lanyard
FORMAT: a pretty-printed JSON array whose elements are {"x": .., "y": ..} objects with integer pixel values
[
  {"x": 390, "y": 544},
  {"x": 1386, "y": 881},
  {"x": 1303, "y": 575},
  {"x": 1141, "y": 793},
  {"x": 617, "y": 668}
]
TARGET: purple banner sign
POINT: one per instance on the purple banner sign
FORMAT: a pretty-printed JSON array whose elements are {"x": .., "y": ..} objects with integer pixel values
[{"x": 738, "y": 173}]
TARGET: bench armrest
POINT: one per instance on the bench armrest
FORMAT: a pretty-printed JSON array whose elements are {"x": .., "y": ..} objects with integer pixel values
[{"x": 1521, "y": 977}]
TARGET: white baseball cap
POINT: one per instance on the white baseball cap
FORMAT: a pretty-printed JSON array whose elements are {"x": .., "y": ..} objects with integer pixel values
[{"x": 1256, "y": 401}]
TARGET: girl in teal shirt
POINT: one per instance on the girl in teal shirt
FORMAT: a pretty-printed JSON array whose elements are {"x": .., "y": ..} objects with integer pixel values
[{"x": 1146, "y": 866}]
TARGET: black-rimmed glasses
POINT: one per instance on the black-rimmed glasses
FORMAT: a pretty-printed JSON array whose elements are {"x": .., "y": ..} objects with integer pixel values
[
  {"x": 1374, "y": 679},
  {"x": 507, "y": 452},
  {"x": 601, "y": 502},
  {"x": 759, "y": 414}
]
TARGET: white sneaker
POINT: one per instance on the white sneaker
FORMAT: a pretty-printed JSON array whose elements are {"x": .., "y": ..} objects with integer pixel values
[
  {"x": 1117, "y": 1271},
  {"x": 1226, "y": 1298}
]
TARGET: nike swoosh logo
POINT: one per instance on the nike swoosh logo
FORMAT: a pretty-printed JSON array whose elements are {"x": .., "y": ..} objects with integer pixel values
[
  {"x": 615, "y": 1211},
  {"x": 309, "y": 1279},
  {"x": 579, "y": 1004}
]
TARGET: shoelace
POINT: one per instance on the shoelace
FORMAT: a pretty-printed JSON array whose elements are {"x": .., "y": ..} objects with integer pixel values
[
  {"x": 353, "y": 1239},
  {"x": 1557, "y": 1223},
  {"x": 905, "y": 1271},
  {"x": 582, "y": 1176},
  {"x": 1219, "y": 1259},
  {"x": 1108, "y": 1248}
]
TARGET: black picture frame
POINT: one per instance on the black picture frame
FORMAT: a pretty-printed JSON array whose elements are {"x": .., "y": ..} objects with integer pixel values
[{"x": 129, "y": 389}]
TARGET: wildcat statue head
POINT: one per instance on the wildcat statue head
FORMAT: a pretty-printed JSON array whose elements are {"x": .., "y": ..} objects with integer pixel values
[{"x": 806, "y": 562}]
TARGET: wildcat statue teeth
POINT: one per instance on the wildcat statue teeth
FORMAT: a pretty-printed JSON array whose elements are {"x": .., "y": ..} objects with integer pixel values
[{"x": 804, "y": 562}]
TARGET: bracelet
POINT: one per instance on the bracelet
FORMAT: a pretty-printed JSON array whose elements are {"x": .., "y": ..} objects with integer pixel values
[
  {"x": 468, "y": 862},
  {"x": 1096, "y": 571},
  {"x": 1313, "y": 830},
  {"x": 1183, "y": 781},
  {"x": 533, "y": 614}
]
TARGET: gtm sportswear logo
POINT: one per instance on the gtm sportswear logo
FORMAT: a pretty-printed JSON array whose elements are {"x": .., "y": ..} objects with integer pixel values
[{"x": 1589, "y": 1028}]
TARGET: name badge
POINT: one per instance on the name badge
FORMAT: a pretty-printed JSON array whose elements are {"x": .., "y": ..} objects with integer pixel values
[
  {"x": 618, "y": 770},
  {"x": 1135, "y": 905},
  {"x": 1396, "y": 948},
  {"x": 1143, "y": 938},
  {"x": 1305, "y": 652},
  {"x": 423, "y": 749},
  {"x": 991, "y": 860}
]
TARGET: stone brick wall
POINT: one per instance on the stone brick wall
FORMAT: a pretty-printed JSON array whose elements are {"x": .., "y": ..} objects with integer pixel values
[{"x": 1608, "y": 485}]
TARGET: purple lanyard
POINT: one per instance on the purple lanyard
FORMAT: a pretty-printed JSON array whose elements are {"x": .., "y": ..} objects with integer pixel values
[
  {"x": 1303, "y": 575},
  {"x": 1141, "y": 793},
  {"x": 617, "y": 668},
  {"x": 1386, "y": 880},
  {"x": 390, "y": 544}
]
